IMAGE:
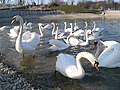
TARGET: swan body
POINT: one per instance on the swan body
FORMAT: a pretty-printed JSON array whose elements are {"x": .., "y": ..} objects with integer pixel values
[
  {"x": 25, "y": 46},
  {"x": 13, "y": 33},
  {"x": 70, "y": 67},
  {"x": 73, "y": 40},
  {"x": 4, "y": 28},
  {"x": 109, "y": 57},
  {"x": 57, "y": 45}
]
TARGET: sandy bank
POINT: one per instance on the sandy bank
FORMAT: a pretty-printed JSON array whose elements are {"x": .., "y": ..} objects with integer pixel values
[{"x": 108, "y": 15}]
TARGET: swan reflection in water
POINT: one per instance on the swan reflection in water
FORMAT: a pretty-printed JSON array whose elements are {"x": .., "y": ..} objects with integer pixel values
[{"x": 28, "y": 63}]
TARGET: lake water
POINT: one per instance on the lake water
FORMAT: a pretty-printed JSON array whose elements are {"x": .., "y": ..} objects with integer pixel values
[{"x": 40, "y": 70}]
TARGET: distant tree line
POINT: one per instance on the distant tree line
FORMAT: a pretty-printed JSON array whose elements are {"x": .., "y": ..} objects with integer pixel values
[{"x": 88, "y": 4}]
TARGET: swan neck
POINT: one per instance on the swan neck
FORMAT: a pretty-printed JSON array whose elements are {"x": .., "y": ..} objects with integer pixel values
[
  {"x": 21, "y": 28},
  {"x": 75, "y": 24},
  {"x": 86, "y": 36},
  {"x": 85, "y": 55},
  {"x": 56, "y": 33},
  {"x": 94, "y": 26},
  {"x": 100, "y": 48},
  {"x": 40, "y": 29},
  {"x": 65, "y": 25},
  {"x": 53, "y": 31},
  {"x": 71, "y": 29}
]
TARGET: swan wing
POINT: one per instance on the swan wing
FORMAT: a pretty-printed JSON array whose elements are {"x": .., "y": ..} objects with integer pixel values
[
  {"x": 26, "y": 35},
  {"x": 79, "y": 33},
  {"x": 57, "y": 45},
  {"x": 110, "y": 56},
  {"x": 34, "y": 40},
  {"x": 65, "y": 64}
]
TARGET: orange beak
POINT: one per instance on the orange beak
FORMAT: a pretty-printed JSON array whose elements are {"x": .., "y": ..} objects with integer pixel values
[{"x": 13, "y": 20}]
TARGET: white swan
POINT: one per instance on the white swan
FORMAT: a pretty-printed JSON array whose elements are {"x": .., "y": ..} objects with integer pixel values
[
  {"x": 73, "y": 40},
  {"x": 57, "y": 45},
  {"x": 70, "y": 67},
  {"x": 75, "y": 26},
  {"x": 25, "y": 46},
  {"x": 70, "y": 30},
  {"x": 109, "y": 57},
  {"x": 53, "y": 30},
  {"x": 4, "y": 28},
  {"x": 40, "y": 29},
  {"x": 13, "y": 32},
  {"x": 80, "y": 32},
  {"x": 95, "y": 32}
]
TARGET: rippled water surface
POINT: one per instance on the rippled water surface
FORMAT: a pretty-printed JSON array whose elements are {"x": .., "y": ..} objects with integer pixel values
[{"x": 40, "y": 70}]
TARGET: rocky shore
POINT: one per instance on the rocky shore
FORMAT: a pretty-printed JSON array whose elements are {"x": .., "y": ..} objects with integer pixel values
[{"x": 10, "y": 79}]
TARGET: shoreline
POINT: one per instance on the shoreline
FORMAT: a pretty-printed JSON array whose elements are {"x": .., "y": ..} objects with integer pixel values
[{"x": 111, "y": 14}]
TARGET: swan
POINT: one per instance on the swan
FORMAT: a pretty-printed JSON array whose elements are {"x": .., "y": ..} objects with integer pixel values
[
  {"x": 75, "y": 26},
  {"x": 48, "y": 26},
  {"x": 4, "y": 28},
  {"x": 109, "y": 57},
  {"x": 73, "y": 40},
  {"x": 70, "y": 30},
  {"x": 70, "y": 67},
  {"x": 80, "y": 32},
  {"x": 95, "y": 32},
  {"x": 25, "y": 46},
  {"x": 40, "y": 29},
  {"x": 13, "y": 32},
  {"x": 53, "y": 30},
  {"x": 57, "y": 45}
]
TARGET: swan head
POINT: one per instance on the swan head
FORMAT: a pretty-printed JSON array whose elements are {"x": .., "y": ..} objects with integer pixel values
[
  {"x": 41, "y": 24},
  {"x": 96, "y": 65},
  {"x": 86, "y": 25},
  {"x": 17, "y": 18}
]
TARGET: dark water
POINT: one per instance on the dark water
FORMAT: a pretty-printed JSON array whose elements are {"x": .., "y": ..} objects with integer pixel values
[{"x": 40, "y": 70}]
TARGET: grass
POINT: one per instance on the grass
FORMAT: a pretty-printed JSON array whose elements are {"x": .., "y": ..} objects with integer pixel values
[{"x": 74, "y": 9}]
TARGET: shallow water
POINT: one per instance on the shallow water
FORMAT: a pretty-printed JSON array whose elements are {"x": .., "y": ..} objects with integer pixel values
[{"x": 40, "y": 70}]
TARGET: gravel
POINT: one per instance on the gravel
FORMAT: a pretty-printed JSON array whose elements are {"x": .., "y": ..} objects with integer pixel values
[{"x": 10, "y": 79}]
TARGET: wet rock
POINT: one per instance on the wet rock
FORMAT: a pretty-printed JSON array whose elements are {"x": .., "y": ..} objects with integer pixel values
[{"x": 12, "y": 80}]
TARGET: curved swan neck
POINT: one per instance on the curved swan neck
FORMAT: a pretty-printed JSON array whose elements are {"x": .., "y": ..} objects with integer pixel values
[
  {"x": 94, "y": 25},
  {"x": 40, "y": 29},
  {"x": 56, "y": 33},
  {"x": 71, "y": 28},
  {"x": 21, "y": 26},
  {"x": 53, "y": 31},
  {"x": 65, "y": 25},
  {"x": 86, "y": 55},
  {"x": 86, "y": 25}
]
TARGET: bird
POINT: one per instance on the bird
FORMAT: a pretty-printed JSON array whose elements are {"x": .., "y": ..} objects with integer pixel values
[
  {"x": 108, "y": 54},
  {"x": 70, "y": 67},
  {"x": 95, "y": 32},
  {"x": 4, "y": 28},
  {"x": 13, "y": 32},
  {"x": 74, "y": 40},
  {"x": 25, "y": 46},
  {"x": 57, "y": 45}
]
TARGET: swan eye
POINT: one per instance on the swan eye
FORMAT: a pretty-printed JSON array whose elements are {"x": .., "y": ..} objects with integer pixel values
[{"x": 96, "y": 65}]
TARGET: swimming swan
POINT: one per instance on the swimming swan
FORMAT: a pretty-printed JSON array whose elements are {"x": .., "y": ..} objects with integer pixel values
[
  {"x": 70, "y": 67},
  {"x": 109, "y": 57},
  {"x": 25, "y": 46},
  {"x": 57, "y": 45}
]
